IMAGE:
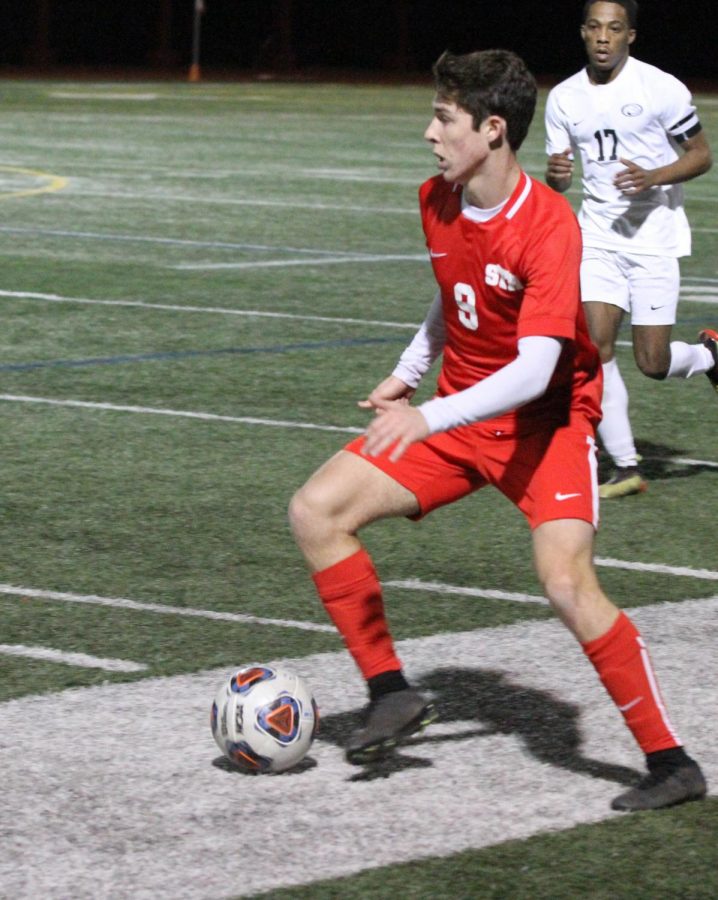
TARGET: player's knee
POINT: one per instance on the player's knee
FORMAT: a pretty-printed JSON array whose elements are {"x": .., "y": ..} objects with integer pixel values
[
  {"x": 568, "y": 591},
  {"x": 305, "y": 513},
  {"x": 654, "y": 369},
  {"x": 654, "y": 365},
  {"x": 315, "y": 515},
  {"x": 561, "y": 587}
]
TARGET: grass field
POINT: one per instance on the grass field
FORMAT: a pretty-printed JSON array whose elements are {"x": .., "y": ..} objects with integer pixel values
[{"x": 198, "y": 283}]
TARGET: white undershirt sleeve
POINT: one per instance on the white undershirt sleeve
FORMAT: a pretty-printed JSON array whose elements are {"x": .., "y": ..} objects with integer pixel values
[
  {"x": 426, "y": 346},
  {"x": 522, "y": 380}
]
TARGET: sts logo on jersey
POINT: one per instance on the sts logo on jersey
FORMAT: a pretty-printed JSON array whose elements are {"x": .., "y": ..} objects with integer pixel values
[{"x": 496, "y": 276}]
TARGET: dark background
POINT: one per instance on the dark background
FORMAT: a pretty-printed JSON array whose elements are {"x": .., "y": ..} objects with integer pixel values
[{"x": 303, "y": 37}]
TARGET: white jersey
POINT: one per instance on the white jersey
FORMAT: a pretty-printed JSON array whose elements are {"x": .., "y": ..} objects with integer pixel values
[{"x": 640, "y": 115}]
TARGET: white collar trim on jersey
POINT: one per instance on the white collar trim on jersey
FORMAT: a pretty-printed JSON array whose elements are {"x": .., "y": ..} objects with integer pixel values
[
  {"x": 521, "y": 198},
  {"x": 477, "y": 214}
]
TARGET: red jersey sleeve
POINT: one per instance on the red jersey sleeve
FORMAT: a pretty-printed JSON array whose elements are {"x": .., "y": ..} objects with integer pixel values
[{"x": 551, "y": 265}]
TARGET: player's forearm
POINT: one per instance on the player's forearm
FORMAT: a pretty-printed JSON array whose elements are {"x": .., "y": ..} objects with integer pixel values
[
  {"x": 694, "y": 162},
  {"x": 516, "y": 384}
]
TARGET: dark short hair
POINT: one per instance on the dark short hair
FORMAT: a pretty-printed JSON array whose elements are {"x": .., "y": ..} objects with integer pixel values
[
  {"x": 631, "y": 7},
  {"x": 486, "y": 83}
]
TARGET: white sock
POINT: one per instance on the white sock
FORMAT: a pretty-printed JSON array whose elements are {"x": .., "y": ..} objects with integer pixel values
[
  {"x": 615, "y": 428},
  {"x": 689, "y": 359}
]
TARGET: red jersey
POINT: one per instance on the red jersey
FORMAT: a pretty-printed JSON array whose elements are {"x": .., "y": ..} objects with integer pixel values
[{"x": 513, "y": 276}]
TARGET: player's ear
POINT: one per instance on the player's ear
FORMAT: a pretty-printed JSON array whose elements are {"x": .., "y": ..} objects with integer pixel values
[
  {"x": 631, "y": 35},
  {"x": 495, "y": 128}
]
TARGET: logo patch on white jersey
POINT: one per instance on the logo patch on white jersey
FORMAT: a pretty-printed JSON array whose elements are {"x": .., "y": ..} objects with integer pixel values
[
  {"x": 497, "y": 276},
  {"x": 632, "y": 109}
]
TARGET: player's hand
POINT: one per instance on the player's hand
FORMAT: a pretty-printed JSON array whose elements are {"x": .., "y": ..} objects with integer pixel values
[
  {"x": 560, "y": 166},
  {"x": 633, "y": 179},
  {"x": 392, "y": 388},
  {"x": 396, "y": 423}
]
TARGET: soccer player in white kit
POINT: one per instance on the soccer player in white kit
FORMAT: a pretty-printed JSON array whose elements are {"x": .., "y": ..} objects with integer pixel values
[{"x": 638, "y": 136}]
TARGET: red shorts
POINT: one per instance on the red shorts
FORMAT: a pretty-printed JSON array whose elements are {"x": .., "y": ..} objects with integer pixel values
[{"x": 549, "y": 474}]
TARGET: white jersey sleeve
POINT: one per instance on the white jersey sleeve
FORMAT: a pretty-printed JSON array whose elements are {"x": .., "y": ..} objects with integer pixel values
[
  {"x": 676, "y": 111},
  {"x": 558, "y": 136}
]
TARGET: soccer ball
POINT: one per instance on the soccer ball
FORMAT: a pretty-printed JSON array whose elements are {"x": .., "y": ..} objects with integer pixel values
[{"x": 264, "y": 718}]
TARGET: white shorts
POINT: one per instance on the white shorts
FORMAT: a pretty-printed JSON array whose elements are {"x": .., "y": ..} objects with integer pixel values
[{"x": 647, "y": 286}]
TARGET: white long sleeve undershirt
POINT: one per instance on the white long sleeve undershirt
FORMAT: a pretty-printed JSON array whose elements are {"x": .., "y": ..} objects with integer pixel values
[
  {"x": 517, "y": 383},
  {"x": 425, "y": 347},
  {"x": 522, "y": 380}
]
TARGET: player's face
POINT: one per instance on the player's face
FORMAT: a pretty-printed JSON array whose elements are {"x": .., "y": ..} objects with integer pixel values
[
  {"x": 458, "y": 147},
  {"x": 607, "y": 36}
]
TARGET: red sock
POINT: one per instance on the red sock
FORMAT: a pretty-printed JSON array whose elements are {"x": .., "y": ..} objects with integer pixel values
[
  {"x": 351, "y": 594},
  {"x": 621, "y": 659}
]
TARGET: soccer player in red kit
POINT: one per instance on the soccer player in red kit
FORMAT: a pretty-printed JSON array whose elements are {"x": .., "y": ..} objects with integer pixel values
[{"x": 517, "y": 405}]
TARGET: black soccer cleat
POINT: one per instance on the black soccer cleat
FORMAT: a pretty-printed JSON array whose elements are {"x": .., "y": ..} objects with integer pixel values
[
  {"x": 709, "y": 339},
  {"x": 665, "y": 787},
  {"x": 626, "y": 480},
  {"x": 388, "y": 720}
]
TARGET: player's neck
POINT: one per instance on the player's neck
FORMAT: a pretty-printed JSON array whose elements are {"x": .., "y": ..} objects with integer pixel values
[
  {"x": 606, "y": 77},
  {"x": 494, "y": 184}
]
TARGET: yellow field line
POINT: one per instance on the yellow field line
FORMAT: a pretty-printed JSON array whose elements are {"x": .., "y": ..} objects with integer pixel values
[{"x": 54, "y": 182}]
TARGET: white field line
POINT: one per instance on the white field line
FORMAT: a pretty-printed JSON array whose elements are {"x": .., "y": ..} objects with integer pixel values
[
  {"x": 687, "y": 461},
  {"x": 411, "y": 584},
  {"x": 695, "y": 298},
  {"x": 220, "y": 310},
  {"x": 160, "y": 608},
  {"x": 125, "y": 801},
  {"x": 284, "y": 263},
  {"x": 88, "y": 95},
  {"x": 250, "y": 420},
  {"x": 217, "y": 310},
  {"x": 182, "y": 414},
  {"x": 236, "y": 201},
  {"x": 72, "y": 95},
  {"x": 683, "y": 571},
  {"x": 415, "y": 584},
  {"x": 177, "y": 242},
  {"x": 82, "y": 660}
]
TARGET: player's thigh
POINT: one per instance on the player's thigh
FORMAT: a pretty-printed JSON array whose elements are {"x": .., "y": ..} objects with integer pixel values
[
  {"x": 561, "y": 477},
  {"x": 654, "y": 283},
  {"x": 348, "y": 491},
  {"x": 563, "y": 551},
  {"x": 604, "y": 322},
  {"x": 437, "y": 471},
  {"x": 605, "y": 294},
  {"x": 563, "y": 556}
]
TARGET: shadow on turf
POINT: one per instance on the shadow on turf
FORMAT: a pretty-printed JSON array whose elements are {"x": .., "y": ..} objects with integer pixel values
[
  {"x": 547, "y": 726},
  {"x": 226, "y": 765},
  {"x": 657, "y": 464}
]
